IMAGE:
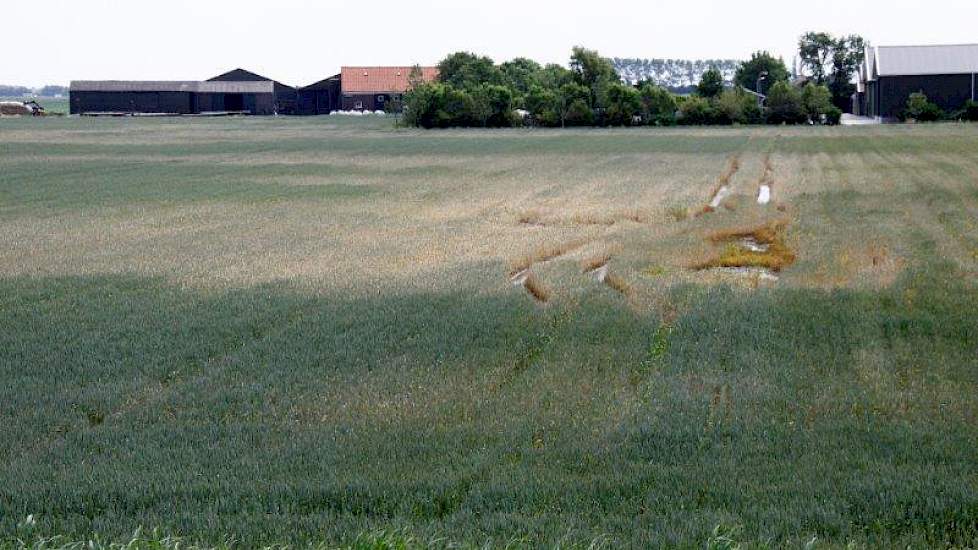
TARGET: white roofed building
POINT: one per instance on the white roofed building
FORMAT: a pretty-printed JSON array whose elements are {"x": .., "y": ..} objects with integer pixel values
[{"x": 945, "y": 73}]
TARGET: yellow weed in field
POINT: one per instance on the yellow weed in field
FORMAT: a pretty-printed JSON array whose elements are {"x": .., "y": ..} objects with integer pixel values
[{"x": 759, "y": 247}]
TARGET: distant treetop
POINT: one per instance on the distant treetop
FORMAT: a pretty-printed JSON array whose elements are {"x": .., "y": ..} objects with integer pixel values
[{"x": 674, "y": 74}]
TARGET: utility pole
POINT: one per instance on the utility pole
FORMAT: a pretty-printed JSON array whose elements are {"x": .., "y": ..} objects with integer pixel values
[
  {"x": 760, "y": 78},
  {"x": 760, "y": 96}
]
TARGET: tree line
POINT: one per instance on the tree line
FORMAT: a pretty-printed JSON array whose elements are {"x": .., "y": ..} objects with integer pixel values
[
  {"x": 7, "y": 90},
  {"x": 474, "y": 91},
  {"x": 679, "y": 76}
]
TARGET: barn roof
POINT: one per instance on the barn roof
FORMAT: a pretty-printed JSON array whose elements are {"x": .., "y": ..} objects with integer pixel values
[
  {"x": 257, "y": 87},
  {"x": 924, "y": 60},
  {"x": 242, "y": 75},
  {"x": 322, "y": 83},
  {"x": 381, "y": 79}
]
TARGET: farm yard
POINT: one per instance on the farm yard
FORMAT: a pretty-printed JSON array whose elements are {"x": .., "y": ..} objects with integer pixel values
[
  {"x": 52, "y": 105},
  {"x": 330, "y": 330}
]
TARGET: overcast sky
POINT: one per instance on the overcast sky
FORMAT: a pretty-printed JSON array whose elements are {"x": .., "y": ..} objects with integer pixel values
[{"x": 302, "y": 41}]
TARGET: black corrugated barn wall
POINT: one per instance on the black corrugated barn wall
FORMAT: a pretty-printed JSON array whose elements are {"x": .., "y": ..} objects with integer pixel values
[
  {"x": 950, "y": 92},
  {"x": 131, "y": 102}
]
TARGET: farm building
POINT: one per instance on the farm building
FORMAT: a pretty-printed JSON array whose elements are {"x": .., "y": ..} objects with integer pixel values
[
  {"x": 286, "y": 97},
  {"x": 374, "y": 88},
  {"x": 946, "y": 74},
  {"x": 354, "y": 89},
  {"x": 170, "y": 97},
  {"x": 320, "y": 98}
]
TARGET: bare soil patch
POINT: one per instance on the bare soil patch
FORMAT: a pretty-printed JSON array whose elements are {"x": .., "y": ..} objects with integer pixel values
[{"x": 758, "y": 247}]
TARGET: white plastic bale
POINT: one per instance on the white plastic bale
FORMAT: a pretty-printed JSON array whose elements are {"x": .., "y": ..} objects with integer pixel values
[{"x": 764, "y": 196}]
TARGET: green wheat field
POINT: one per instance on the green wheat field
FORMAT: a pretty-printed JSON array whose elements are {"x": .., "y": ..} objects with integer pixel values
[{"x": 264, "y": 331}]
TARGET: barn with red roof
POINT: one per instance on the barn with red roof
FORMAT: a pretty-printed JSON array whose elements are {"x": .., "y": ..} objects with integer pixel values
[{"x": 379, "y": 88}]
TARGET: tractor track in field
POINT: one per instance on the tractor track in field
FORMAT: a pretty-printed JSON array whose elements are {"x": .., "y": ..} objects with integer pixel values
[
  {"x": 766, "y": 184},
  {"x": 521, "y": 274},
  {"x": 721, "y": 190}
]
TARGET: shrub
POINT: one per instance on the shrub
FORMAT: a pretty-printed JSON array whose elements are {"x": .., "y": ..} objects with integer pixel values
[
  {"x": 784, "y": 105},
  {"x": 753, "y": 114},
  {"x": 658, "y": 105},
  {"x": 738, "y": 107},
  {"x": 932, "y": 113},
  {"x": 437, "y": 105},
  {"x": 971, "y": 111},
  {"x": 579, "y": 114},
  {"x": 816, "y": 101},
  {"x": 696, "y": 111},
  {"x": 555, "y": 108},
  {"x": 493, "y": 106},
  {"x": 624, "y": 104},
  {"x": 920, "y": 109},
  {"x": 834, "y": 116},
  {"x": 729, "y": 109},
  {"x": 422, "y": 104},
  {"x": 458, "y": 109}
]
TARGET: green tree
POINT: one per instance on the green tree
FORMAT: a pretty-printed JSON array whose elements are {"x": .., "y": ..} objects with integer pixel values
[
  {"x": 554, "y": 76},
  {"x": 493, "y": 106},
  {"x": 595, "y": 73},
  {"x": 784, "y": 105},
  {"x": 816, "y": 101},
  {"x": 833, "y": 61},
  {"x": 658, "y": 105},
  {"x": 573, "y": 104},
  {"x": 565, "y": 106},
  {"x": 760, "y": 63},
  {"x": 521, "y": 74},
  {"x": 815, "y": 50},
  {"x": 421, "y": 104},
  {"x": 624, "y": 104},
  {"x": 711, "y": 84},
  {"x": 543, "y": 105},
  {"x": 848, "y": 55},
  {"x": 464, "y": 71},
  {"x": 457, "y": 109}
]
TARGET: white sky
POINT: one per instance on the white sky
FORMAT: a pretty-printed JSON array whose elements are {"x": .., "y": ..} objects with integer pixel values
[{"x": 301, "y": 41}]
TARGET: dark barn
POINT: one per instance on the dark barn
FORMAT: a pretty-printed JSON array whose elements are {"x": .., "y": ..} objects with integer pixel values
[
  {"x": 320, "y": 98},
  {"x": 170, "y": 97},
  {"x": 286, "y": 97},
  {"x": 946, "y": 74},
  {"x": 376, "y": 88}
]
